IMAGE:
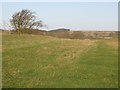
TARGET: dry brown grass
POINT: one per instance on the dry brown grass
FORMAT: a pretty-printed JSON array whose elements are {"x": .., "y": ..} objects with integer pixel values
[{"x": 112, "y": 43}]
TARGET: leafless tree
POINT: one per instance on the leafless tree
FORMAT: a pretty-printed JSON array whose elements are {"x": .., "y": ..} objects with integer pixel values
[{"x": 25, "y": 19}]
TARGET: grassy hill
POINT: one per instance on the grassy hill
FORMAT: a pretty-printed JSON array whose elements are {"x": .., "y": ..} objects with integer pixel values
[
  {"x": 36, "y": 61},
  {"x": 60, "y": 30}
]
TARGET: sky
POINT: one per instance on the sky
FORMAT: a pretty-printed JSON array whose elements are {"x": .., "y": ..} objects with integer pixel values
[{"x": 71, "y": 15}]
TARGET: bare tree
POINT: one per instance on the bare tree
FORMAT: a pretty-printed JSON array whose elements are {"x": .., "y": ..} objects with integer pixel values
[
  {"x": 25, "y": 19},
  {"x": 7, "y": 26}
]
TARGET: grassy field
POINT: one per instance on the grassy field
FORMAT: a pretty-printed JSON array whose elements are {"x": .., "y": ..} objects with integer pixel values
[{"x": 33, "y": 61}]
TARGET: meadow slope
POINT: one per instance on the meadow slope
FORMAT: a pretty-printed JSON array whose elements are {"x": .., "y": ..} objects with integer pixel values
[{"x": 34, "y": 61}]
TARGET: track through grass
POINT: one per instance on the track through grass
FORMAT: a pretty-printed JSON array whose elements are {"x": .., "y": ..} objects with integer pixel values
[{"x": 45, "y": 62}]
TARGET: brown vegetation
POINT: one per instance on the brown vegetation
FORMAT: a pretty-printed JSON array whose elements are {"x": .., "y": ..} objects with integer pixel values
[{"x": 71, "y": 34}]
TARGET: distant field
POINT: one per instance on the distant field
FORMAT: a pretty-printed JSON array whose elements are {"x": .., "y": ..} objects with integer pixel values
[{"x": 34, "y": 61}]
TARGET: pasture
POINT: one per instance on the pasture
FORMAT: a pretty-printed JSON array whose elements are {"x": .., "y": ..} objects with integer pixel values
[{"x": 36, "y": 61}]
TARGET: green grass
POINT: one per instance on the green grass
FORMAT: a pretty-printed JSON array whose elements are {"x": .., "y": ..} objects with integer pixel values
[{"x": 33, "y": 61}]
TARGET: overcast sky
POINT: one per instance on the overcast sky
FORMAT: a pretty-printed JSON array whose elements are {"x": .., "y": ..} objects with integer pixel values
[{"x": 72, "y": 15}]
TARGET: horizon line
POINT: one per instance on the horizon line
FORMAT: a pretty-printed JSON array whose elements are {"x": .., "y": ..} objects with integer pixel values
[{"x": 69, "y": 29}]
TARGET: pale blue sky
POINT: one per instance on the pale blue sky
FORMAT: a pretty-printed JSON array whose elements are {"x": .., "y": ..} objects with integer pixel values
[{"x": 72, "y": 15}]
